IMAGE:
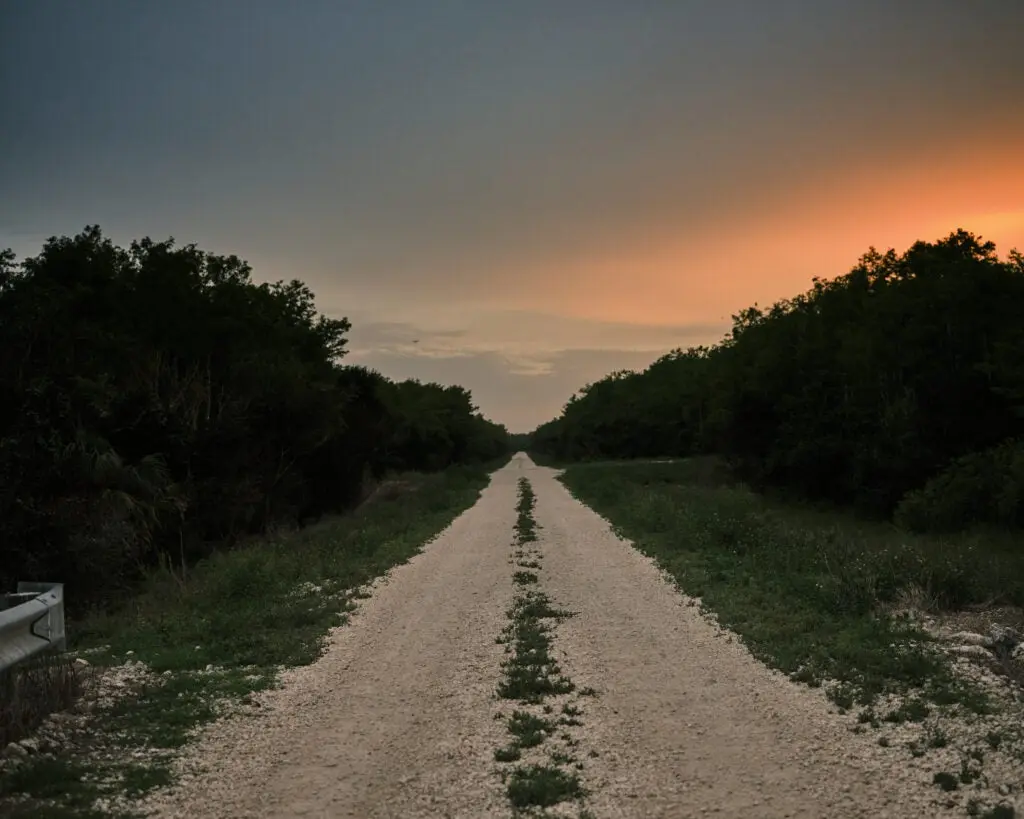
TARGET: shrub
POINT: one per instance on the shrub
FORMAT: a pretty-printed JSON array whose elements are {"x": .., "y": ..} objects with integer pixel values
[{"x": 983, "y": 487}]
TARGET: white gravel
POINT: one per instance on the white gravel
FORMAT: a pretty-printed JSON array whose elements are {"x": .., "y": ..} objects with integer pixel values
[{"x": 397, "y": 719}]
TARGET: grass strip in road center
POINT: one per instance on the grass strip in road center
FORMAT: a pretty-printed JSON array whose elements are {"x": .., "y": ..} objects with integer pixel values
[{"x": 531, "y": 677}]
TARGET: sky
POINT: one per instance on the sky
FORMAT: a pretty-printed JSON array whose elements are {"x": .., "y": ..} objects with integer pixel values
[{"x": 517, "y": 197}]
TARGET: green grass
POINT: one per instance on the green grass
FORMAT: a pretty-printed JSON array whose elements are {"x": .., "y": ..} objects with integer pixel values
[
  {"x": 510, "y": 753},
  {"x": 529, "y": 730},
  {"x": 247, "y": 612},
  {"x": 542, "y": 786},
  {"x": 999, "y": 812},
  {"x": 526, "y": 526},
  {"x": 531, "y": 675},
  {"x": 806, "y": 589}
]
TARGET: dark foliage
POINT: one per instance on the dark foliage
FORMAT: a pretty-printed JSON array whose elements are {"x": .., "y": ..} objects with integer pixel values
[
  {"x": 154, "y": 401},
  {"x": 859, "y": 391}
]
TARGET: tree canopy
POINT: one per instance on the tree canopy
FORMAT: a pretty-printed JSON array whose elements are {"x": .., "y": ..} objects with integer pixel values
[
  {"x": 860, "y": 390},
  {"x": 154, "y": 400}
]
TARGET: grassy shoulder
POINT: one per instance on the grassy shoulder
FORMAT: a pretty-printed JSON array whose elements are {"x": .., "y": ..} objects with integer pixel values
[
  {"x": 807, "y": 590},
  {"x": 190, "y": 648}
]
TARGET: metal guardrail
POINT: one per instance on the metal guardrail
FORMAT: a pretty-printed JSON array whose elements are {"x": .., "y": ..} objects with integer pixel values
[{"x": 31, "y": 622}]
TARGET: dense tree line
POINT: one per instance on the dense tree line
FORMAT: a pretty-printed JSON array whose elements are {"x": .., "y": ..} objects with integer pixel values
[
  {"x": 902, "y": 380},
  {"x": 155, "y": 401}
]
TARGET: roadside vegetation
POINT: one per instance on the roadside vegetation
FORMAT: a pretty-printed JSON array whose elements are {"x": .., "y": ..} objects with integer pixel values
[
  {"x": 188, "y": 649},
  {"x": 544, "y": 713},
  {"x": 156, "y": 405},
  {"x": 811, "y": 591},
  {"x": 183, "y": 448},
  {"x": 897, "y": 385},
  {"x": 874, "y": 615},
  {"x": 840, "y": 481},
  {"x": 893, "y": 394}
]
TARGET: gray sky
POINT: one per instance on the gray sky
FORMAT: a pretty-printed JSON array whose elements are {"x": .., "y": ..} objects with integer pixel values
[{"x": 538, "y": 193}]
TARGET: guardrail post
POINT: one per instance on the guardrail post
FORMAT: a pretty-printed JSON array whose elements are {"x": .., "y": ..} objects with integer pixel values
[{"x": 34, "y": 624}]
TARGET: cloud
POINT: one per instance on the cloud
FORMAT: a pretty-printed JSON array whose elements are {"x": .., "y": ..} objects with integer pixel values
[
  {"x": 518, "y": 333},
  {"x": 520, "y": 400},
  {"x": 521, "y": 366},
  {"x": 543, "y": 356}
]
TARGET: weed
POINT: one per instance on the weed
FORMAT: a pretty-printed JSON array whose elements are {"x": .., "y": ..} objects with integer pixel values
[
  {"x": 561, "y": 758},
  {"x": 936, "y": 737},
  {"x": 140, "y": 779},
  {"x": 510, "y": 753},
  {"x": 542, "y": 786},
  {"x": 528, "y": 729},
  {"x": 526, "y": 527},
  {"x": 913, "y": 710},
  {"x": 843, "y": 696},
  {"x": 530, "y": 675},
  {"x": 967, "y": 773},
  {"x": 532, "y": 672}
]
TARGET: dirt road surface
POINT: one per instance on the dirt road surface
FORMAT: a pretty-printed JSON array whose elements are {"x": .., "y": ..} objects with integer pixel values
[{"x": 397, "y": 719}]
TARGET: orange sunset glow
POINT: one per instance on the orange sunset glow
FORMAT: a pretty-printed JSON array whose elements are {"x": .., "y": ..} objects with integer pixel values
[
  {"x": 534, "y": 198},
  {"x": 773, "y": 250}
]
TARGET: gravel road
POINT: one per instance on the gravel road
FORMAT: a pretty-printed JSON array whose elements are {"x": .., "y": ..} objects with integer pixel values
[{"x": 397, "y": 719}]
